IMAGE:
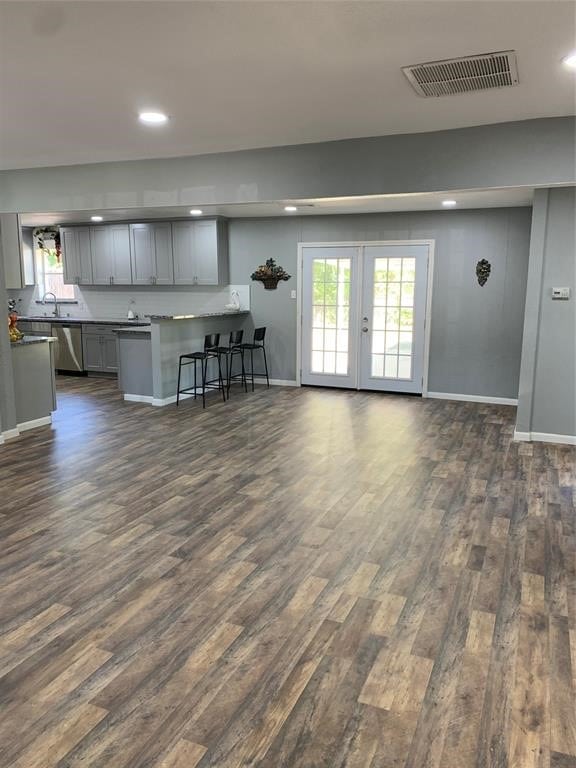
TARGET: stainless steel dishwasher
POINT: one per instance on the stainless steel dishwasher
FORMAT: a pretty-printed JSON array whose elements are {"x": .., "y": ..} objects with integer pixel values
[{"x": 68, "y": 347}]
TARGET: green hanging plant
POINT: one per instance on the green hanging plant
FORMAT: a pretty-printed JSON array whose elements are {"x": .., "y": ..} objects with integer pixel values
[{"x": 43, "y": 234}]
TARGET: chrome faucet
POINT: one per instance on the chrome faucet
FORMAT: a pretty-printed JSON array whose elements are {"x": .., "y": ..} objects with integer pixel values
[{"x": 56, "y": 312}]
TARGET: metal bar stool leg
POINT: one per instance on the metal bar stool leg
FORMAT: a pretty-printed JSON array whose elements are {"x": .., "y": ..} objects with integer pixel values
[
  {"x": 266, "y": 367},
  {"x": 244, "y": 380},
  {"x": 195, "y": 378},
  {"x": 252, "y": 367},
  {"x": 204, "y": 368},
  {"x": 220, "y": 377},
  {"x": 178, "y": 387}
]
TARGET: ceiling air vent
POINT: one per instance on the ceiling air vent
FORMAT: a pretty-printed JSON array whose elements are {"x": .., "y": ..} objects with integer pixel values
[{"x": 470, "y": 73}]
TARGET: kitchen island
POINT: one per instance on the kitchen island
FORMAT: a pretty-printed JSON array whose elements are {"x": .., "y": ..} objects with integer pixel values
[
  {"x": 148, "y": 356},
  {"x": 34, "y": 384}
]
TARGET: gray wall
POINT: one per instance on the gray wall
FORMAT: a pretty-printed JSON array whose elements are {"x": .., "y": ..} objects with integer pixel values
[
  {"x": 476, "y": 333},
  {"x": 547, "y": 402},
  {"x": 530, "y": 152}
]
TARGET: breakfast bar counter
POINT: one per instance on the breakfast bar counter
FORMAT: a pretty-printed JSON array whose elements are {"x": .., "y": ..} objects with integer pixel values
[{"x": 148, "y": 355}]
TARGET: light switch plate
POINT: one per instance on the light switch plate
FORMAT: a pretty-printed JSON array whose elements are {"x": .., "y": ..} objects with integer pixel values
[
  {"x": 561, "y": 293},
  {"x": 292, "y": 294}
]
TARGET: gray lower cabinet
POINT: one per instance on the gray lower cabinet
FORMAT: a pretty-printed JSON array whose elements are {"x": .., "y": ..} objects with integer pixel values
[
  {"x": 76, "y": 255},
  {"x": 152, "y": 262},
  {"x": 200, "y": 252},
  {"x": 111, "y": 262},
  {"x": 100, "y": 349}
]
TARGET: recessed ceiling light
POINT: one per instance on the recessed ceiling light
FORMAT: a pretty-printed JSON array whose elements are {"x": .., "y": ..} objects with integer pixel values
[
  {"x": 448, "y": 203},
  {"x": 196, "y": 212},
  {"x": 153, "y": 118},
  {"x": 96, "y": 218},
  {"x": 290, "y": 208},
  {"x": 570, "y": 60}
]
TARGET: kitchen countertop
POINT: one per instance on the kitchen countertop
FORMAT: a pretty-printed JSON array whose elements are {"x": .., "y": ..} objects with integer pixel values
[
  {"x": 200, "y": 315},
  {"x": 32, "y": 340},
  {"x": 84, "y": 320}
]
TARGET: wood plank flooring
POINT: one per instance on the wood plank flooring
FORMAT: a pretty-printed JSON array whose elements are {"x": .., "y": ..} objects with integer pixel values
[{"x": 296, "y": 578}]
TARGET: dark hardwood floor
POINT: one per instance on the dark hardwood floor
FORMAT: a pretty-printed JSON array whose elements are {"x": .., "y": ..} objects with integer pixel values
[{"x": 298, "y": 577}]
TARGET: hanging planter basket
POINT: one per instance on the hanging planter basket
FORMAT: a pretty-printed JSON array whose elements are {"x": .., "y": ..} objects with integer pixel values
[
  {"x": 270, "y": 283},
  {"x": 270, "y": 274}
]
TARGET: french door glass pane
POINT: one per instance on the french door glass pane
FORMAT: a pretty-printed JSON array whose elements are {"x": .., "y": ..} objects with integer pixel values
[
  {"x": 393, "y": 318},
  {"x": 330, "y": 315}
]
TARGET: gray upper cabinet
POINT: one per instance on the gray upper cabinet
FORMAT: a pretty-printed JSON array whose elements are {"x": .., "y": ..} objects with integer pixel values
[
  {"x": 152, "y": 262},
  {"x": 111, "y": 262},
  {"x": 77, "y": 255},
  {"x": 200, "y": 252},
  {"x": 155, "y": 253},
  {"x": 17, "y": 252}
]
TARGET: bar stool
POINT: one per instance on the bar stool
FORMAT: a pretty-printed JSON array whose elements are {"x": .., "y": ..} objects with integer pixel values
[
  {"x": 257, "y": 343},
  {"x": 211, "y": 341},
  {"x": 234, "y": 348}
]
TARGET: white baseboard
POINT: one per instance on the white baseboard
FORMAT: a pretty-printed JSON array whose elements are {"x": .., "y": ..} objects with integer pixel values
[
  {"x": 138, "y": 398},
  {"x": 545, "y": 437},
  {"x": 42, "y": 422},
  {"x": 473, "y": 398},
  {"x": 278, "y": 382},
  {"x": 10, "y": 433},
  {"x": 24, "y": 427}
]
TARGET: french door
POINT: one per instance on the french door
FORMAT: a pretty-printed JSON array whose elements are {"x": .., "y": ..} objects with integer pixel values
[{"x": 364, "y": 314}]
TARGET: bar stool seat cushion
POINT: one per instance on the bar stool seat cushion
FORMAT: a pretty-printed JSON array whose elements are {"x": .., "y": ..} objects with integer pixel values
[{"x": 198, "y": 355}]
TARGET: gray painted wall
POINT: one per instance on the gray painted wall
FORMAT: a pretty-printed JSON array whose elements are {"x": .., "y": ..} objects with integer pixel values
[
  {"x": 530, "y": 152},
  {"x": 547, "y": 403},
  {"x": 476, "y": 333}
]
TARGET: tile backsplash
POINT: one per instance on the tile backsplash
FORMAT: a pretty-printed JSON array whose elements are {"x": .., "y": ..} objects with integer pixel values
[{"x": 114, "y": 302}]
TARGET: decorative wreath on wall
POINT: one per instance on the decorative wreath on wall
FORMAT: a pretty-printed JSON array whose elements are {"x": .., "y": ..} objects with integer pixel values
[
  {"x": 483, "y": 269},
  {"x": 270, "y": 274}
]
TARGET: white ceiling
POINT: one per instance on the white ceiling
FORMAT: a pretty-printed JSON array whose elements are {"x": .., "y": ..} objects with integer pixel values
[
  {"x": 483, "y": 198},
  {"x": 239, "y": 74}
]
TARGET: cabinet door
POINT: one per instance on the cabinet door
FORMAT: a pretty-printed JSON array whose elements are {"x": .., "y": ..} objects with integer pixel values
[
  {"x": 93, "y": 352},
  {"x": 152, "y": 262},
  {"x": 102, "y": 264},
  {"x": 206, "y": 252},
  {"x": 11, "y": 249},
  {"x": 109, "y": 353},
  {"x": 120, "y": 247},
  {"x": 77, "y": 255},
  {"x": 183, "y": 241},
  {"x": 143, "y": 256},
  {"x": 163, "y": 251},
  {"x": 71, "y": 262},
  {"x": 28, "y": 262}
]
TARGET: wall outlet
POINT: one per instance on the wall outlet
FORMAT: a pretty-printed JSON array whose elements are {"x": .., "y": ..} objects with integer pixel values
[
  {"x": 292, "y": 294},
  {"x": 561, "y": 293}
]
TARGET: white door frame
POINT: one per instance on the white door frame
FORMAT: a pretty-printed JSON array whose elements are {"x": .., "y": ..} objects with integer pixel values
[{"x": 358, "y": 243}]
